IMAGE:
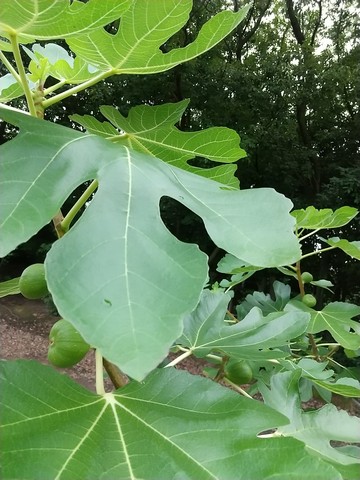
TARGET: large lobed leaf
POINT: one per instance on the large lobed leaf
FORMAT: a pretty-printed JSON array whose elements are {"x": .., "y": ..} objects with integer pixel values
[
  {"x": 254, "y": 337},
  {"x": 320, "y": 375},
  {"x": 336, "y": 318},
  {"x": 173, "y": 425},
  {"x": 150, "y": 129},
  {"x": 314, "y": 219},
  {"x": 119, "y": 276},
  {"x": 264, "y": 301},
  {"x": 144, "y": 28},
  {"x": 50, "y": 19},
  {"x": 316, "y": 428},
  {"x": 350, "y": 248}
]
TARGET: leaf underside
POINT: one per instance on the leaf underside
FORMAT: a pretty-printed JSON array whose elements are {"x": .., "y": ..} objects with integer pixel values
[
  {"x": 119, "y": 275},
  {"x": 173, "y": 425},
  {"x": 254, "y": 337},
  {"x": 316, "y": 428}
]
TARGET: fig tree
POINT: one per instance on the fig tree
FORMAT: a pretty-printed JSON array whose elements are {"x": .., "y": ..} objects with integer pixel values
[
  {"x": 32, "y": 283},
  {"x": 309, "y": 300},
  {"x": 66, "y": 347},
  {"x": 238, "y": 372}
]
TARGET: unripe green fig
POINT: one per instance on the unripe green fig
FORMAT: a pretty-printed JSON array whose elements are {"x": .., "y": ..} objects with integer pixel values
[
  {"x": 67, "y": 347},
  {"x": 32, "y": 283},
  {"x": 306, "y": 277},
  {"x": 309, "y": 300},
  {"x": 238, "y": 372}
]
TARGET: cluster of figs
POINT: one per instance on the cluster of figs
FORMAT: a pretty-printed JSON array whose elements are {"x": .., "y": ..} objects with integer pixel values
[{"x": 66, "y": 345}]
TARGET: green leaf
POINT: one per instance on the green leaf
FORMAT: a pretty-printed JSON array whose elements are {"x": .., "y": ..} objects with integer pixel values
[
  {"x": 352, "y": 353},
  {"x": 309, "y": 368},
  {"x": 335, "y": 318},
  {"x": 59, "y": 64},
  {"x": 323, "y": 284},
  {"x": 144, "y": 28},
  {"x": 264, "y": 301},
  {"x": 50, "y": 19},
  {"x": 347, "y": 387},
  {"x": 9, "y": 88},
  {"x": 115, "y": 273},
  {"x": 10, "y": 287},
  {"x": 315, "y": 428},
  {"x": 150, "y": 129},
  {"x": 232, "y": 265},
  {"x": 313, "y": 219},
  {"x": 173, "y": 425},
  {"x": 251, "y": 338},
  {"x": 350, "y": 248},
  {"x": 239, "y": 269}
]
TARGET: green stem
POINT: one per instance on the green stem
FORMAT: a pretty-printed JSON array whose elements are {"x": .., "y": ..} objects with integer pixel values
[
  {"x": 331, "y": 353},
  {"x": 318, "y": 251},
  {"x": 214, "y": 357},
  {"x": 233, "y": 318},
  {"x": 22, "y": 75},
  {"x": 300, "y": 282},
  {"x": 179, "y": 359},
  {"x": 118, "y": 378},
  {"x": 309, "y": 234},
  {"x": 182, "y": 349},
  {"x": 77, "y": 88},
  {"x": 331, "y": 360},
  {"x": 100, "y": 390},
  {"x": 54, "y": 87},
  {"x": 11, "y": 69},
  {"x": 314, "y": 347},
  {"x": 66, "y": 222},
  {"x": 239, "y": 389}
]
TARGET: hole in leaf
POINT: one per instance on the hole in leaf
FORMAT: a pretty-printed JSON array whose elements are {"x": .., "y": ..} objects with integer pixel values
[
  {"x": 74, "y": 197},
  {"x": 184, "y": 224},
  {"x": 202, "y": 162},
  {"x": 113, "y": 27},
  {"x": 268, "y": 433}
]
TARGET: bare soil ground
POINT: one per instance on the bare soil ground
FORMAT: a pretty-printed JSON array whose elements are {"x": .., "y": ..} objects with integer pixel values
[{"x": 24, "y": 332}]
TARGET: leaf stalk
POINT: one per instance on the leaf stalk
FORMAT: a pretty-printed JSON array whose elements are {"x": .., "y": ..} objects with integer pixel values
[
  {"x": 66, "y": 222},
  {"x": 100, "y": 390},
  {"x": 78, "y": 88},
  {"x": 316, "y": 252},
  {"x": 11, "y": 69},
  {"x": 179, "y": 359},
  {"x": 22, "y": 79}
]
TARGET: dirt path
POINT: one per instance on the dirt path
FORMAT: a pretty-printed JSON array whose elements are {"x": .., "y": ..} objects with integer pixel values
[{"x": 24, "y": 331}]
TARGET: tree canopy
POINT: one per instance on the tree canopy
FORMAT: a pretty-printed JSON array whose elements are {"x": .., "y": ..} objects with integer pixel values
[{"x": 289, "y": 77}]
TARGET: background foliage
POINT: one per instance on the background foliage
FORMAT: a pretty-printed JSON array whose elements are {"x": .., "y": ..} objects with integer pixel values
[{"x": 289, "y": 77}]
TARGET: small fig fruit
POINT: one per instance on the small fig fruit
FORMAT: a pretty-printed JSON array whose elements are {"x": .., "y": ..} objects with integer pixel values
[
  {"x": 306, "y": 277},
  {"x": 238, "y": 372},
  {"x": 309, "y": 300},
  {"x": 67, "y": 347},
  {"x": 32, "y": 283}
]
